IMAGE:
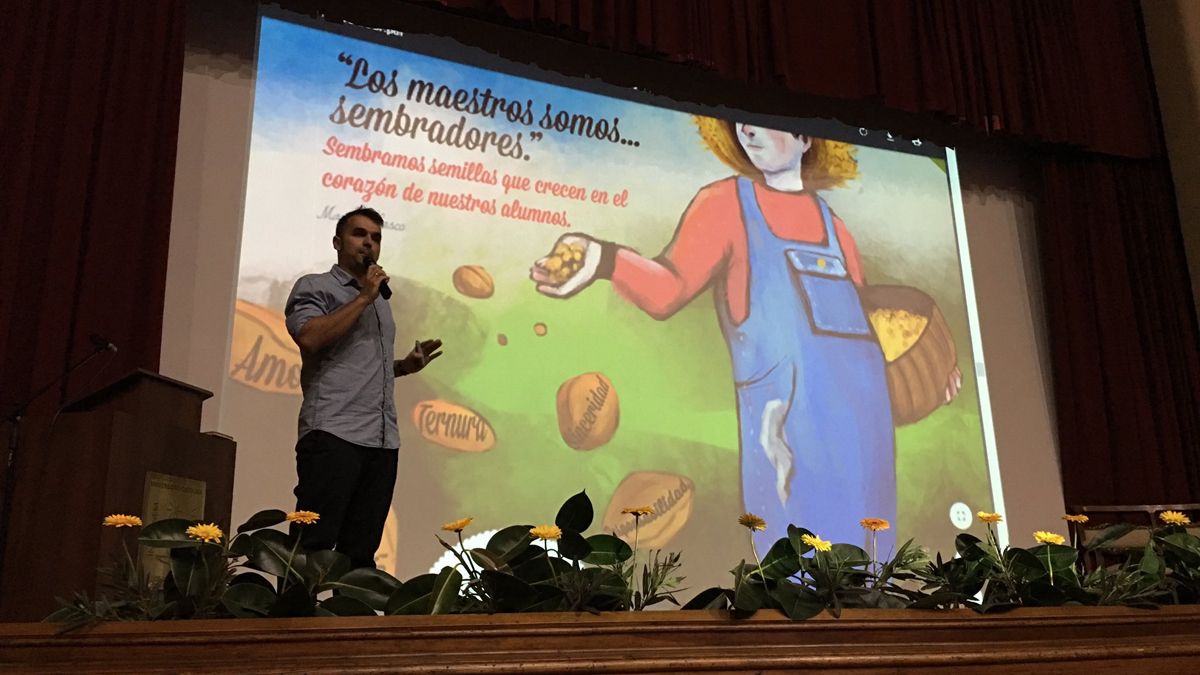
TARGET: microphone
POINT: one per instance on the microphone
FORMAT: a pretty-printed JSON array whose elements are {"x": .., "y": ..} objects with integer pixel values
[
  {"x": 383, "y": 288},
  {"x": 101, "y": 343}
]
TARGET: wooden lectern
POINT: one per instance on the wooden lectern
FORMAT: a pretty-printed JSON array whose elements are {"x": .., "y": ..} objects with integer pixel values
[{"x": 130, "y": 447}]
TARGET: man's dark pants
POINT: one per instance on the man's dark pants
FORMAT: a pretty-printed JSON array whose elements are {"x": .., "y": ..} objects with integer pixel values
[{"x": 350, "y": 486}]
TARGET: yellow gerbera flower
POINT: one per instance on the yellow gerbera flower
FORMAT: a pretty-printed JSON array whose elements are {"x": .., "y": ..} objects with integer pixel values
[
  {"x": 874, "y": 524},
  {"x": 989, "y": 517},
  {"x": 122, "y": 520},
  {"x": 816, "y": 542},
  {"x": 546, "y": 532},
  {"x": 209, "y": 533},
  {"x": 303, "y": 517},
  {"x": 1174, "y": 518},
  {"x": 1048, "y": 538},
  {"x": 637, "y": 511},
  {"x": 752, "y": 522},
  {"x": 457, "y": 525},
  {"x": 1075, "y": 519}
]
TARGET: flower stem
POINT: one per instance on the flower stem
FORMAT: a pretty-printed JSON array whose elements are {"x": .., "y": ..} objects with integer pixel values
[
  {"x": 878, "y": 565},
  {"x": 756, "y": 559},
  {"x": 551, "y": 566},
  {"x": 633, "y": 572},
  {"x": 466, "y": 556},
  {"x": 291, "y": 556},
  {"x": 1049, "y": 566}
]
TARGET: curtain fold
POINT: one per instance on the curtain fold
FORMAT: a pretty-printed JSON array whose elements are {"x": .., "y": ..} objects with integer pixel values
[
  {"x": 1072, "y": 72},
  {"x": 1122, "y": 332},
  {"x": 90, "y": 129}
]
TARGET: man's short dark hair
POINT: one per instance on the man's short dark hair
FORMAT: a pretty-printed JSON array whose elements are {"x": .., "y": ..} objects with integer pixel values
[{"x": 370, "y": 213}]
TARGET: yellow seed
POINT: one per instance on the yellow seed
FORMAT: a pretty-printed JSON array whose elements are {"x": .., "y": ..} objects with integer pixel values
[{"x": 898, "y": 330}]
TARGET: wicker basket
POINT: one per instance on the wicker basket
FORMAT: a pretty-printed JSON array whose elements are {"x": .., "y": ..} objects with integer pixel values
[{"x": 916, "y": 378}]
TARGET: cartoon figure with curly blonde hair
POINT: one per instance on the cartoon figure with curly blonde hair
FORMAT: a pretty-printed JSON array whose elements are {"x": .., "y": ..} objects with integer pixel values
[{"x": 817, "y": 436}]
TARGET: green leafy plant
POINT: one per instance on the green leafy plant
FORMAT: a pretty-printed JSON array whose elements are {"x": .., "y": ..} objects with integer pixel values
[
  {"x": 266, "y": 572},
  {"x": 519, "y": 571},
  {"x": 211, "y": 576},
  {"x": 656, "y": 580}
]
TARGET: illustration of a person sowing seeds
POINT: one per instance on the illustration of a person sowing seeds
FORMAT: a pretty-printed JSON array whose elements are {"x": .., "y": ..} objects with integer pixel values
[{"x": 816, "y": 429}]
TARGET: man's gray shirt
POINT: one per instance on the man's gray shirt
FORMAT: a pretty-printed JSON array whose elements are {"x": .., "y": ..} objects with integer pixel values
[{"x": 348, "y": 386}]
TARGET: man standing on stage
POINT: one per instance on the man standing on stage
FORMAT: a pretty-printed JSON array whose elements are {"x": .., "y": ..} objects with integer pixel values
[{"x": 348, "y": 439}]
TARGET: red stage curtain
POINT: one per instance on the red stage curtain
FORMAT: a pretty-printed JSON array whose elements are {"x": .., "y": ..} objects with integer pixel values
[
  {"x": 89, "y": 122},
  {"x": 1063, "y": 71},
  {"x": 1123, "y": 332}
]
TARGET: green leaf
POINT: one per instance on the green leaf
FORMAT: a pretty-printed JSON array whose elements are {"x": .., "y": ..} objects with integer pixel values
[
  {"x": 325, "y": 566},
  {"x": 849, "y": 555},
  {"x": 189, "y": 571},
  {"x": 509, "y": 542},
  {"x": 796, "y": 601},
  {"x": 605, "y": 581},
  {"x": 781, "y": 561},
  {"x": 535, "y": 569},
  {"x": 295, "y": 601},
  {"x": 710, "y": 598},
  {"x": 546, "y": 599},
  {"x": 607, "y": 550},
  {"x": 1151, "y": 564},
  {"x": 510, "y": 593},
  {"x": 995, "y": 606},
  {"x": 252, "y": 578},
  {"x": 170, "y": 533},
  {"x": 749, "y": 597},
  {"x": 485, "y": 559},
  {"x": 1045, "y": 595},
  {"x": 413, "y": 596},
  {"x": 794, "y": 536},
  {"x": 268, "y": 518},
  {"x": 1109, "y": 535},
  {"x": 247, "y": 599},
  {"x": 345, "y": 605},
  {"x": 1025, "y": 564},
  {"x": 1183, "y": 546},
  {"x": 575, "y": 515},
  {"x": 876, "y": 598},
  {"x": 445, "y": 591},
  {"x": 941, "y": 599},
  {"x": 1061, "y": 558},
  {"x": 572, "y": 545},
  {"x": 243, "y": 545},
  {"x": 530, "y": 565},
  {"x": 370, "y": 586},
  {"x": 271, "y": 552},
  {"x": 969, "y": 547}
]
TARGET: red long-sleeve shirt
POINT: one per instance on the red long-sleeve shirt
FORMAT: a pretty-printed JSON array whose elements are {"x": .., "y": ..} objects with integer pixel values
[{"x": 711, "y": 241}]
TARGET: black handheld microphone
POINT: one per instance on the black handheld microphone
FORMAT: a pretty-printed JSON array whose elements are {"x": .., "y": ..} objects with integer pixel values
[{"x": 383, "y": 288}]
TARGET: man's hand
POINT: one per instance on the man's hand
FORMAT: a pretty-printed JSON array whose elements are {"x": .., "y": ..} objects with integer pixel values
[
  {"x": 375, "y": 278},
  {"x": 569, "y": 268},
  {"x": 422, "y": 353}
]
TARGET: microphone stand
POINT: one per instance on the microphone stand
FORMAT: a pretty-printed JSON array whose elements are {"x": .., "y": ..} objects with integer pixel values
[{"x": 14, "y": 442}]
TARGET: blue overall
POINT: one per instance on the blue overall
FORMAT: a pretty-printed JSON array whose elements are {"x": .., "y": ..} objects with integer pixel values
[{"x": 818, "y": 445}]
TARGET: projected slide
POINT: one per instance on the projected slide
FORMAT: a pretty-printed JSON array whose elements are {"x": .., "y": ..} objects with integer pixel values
[{"x": 703, "y": 311}]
